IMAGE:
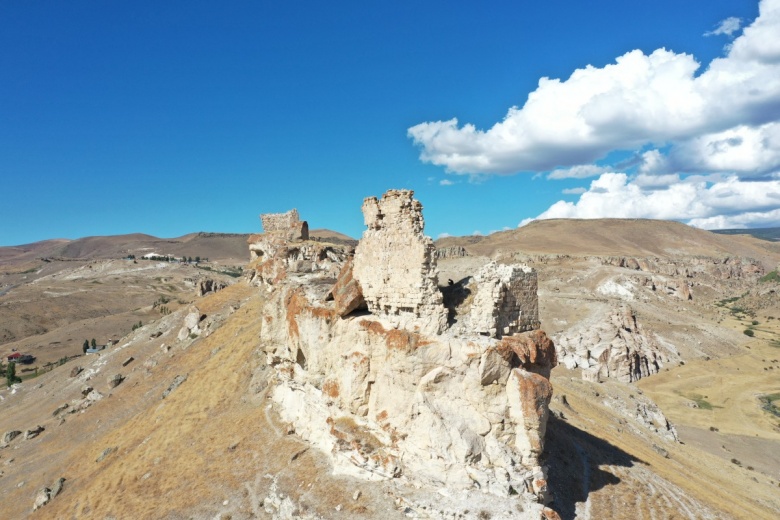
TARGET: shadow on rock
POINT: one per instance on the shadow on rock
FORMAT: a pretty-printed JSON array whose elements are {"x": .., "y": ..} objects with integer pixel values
[
  {"x": 575, "y": 458},
  {"x": 454, "y": 294}
]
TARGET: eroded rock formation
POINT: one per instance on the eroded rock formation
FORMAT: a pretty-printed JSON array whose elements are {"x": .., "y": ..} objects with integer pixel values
[
  {"x": 395, "y": 392},
  {"x": 614, "y": 346}
]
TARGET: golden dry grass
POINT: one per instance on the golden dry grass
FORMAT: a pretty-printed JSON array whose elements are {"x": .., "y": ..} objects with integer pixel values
[
  {"x": 689, "y": 477},
  {"x": 208, "y": 442}
]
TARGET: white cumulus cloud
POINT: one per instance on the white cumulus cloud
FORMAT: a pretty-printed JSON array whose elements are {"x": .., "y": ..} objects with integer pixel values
[
  {"x": 730, "y": 202},
  {"x": 725, "y": 118},
  {"x": 728, "y": 27},
  {"x": 580, "y": 171}
]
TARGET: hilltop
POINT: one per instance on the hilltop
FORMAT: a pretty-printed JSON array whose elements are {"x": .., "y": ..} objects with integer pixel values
[{"x": 610, "y": 237}]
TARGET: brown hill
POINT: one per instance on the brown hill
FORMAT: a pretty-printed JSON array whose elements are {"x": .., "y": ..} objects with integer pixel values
[
  {"x": 605, "y": 237},
  {"x": 219, "y": 247}
]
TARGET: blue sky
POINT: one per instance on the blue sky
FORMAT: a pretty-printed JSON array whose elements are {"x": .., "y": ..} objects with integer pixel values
[{"x": 172, "y": 117}]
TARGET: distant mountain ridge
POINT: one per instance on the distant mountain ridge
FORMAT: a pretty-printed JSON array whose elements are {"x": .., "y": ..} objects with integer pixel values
[
  {"x": 212, "y": 245},
  {"x": 770, "y": 234}
]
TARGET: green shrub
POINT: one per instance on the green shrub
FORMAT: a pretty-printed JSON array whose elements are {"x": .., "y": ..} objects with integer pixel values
[
  {"x": 748, "y": 332},
  {"x": 771, "y": 276}
]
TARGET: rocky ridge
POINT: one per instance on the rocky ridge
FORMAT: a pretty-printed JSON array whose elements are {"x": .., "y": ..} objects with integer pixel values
[{"x": 394, "y": 391}]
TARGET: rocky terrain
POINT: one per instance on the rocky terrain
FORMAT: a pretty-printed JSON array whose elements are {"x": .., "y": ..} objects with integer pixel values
[{"x": 397, "y": 377}]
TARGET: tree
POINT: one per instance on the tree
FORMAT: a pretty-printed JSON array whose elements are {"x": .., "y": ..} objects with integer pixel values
[
  {"x": 85, "y": 346},
  {"x": 10, "y": 374},
  {"x": 94, "y": 343},
  {"x": 197, "y": 259},
  {"x": 189, "y": 259}
]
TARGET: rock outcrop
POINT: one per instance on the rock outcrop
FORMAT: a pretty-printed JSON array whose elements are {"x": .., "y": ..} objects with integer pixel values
[
  {"x": 451, "y": 252},
  {"x": 614, "y": 346},
  {"x": 394, "y": 392},
  {"x": 346, "y": 293},
  {"x": 208, "y": 285}
]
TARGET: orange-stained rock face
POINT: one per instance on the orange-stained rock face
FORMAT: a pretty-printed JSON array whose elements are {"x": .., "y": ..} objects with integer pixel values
[
  {"x": 535, "y": 351},
  {"x": 528, "y": 395},
  {"x": 347, "y": 296}
]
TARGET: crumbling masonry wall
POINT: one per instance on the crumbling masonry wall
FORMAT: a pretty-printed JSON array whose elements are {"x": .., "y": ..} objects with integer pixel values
[
  {"x": 279, "y": 221},
  {"x": 394, "y": 262},
  {"x": 289, "y": 225},
  {"x": 506, "y": 300}
]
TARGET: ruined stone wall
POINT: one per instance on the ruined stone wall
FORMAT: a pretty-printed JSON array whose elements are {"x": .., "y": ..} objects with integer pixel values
[
  {"x": 394, "y": 262},
  {"x": 506, "y": 300},
  {"x": 279, "y": 221}
]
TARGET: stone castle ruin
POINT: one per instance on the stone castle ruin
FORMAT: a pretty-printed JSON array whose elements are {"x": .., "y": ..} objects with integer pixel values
[
  {"x": 284, "y": 248},
  {"x": 289, "y": 224},
  {"x": 395, "y": 377},
  {"x": 395, "y": 264}
]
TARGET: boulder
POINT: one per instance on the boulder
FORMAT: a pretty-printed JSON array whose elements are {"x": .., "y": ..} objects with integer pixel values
[
  {"x": 346, "y": 293},
  {"x": 31, "y": 434},
  {"x": 42, "y": 498},
  {"x": 10, "y": 435},
  {"x": 178, "y": 380},
  {"x": 115, "y": 380}
]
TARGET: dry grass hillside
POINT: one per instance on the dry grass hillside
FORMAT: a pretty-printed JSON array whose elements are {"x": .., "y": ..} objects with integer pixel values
[
  {"x": 57, "y": 293},
  {"x": 607, "y": 237},
  {"x": 210, "y": 449}
]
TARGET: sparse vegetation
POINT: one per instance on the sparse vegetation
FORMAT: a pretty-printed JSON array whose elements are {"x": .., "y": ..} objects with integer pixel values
[
  {"x": 771, "y": 276},
  {"x": 726, "y": 301},
  {"x": 234, "y": 272},
  {"x": 770, "y": 403},
  {"x": 10, "y": 374},
  {"x": 702, "y": 403}
]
